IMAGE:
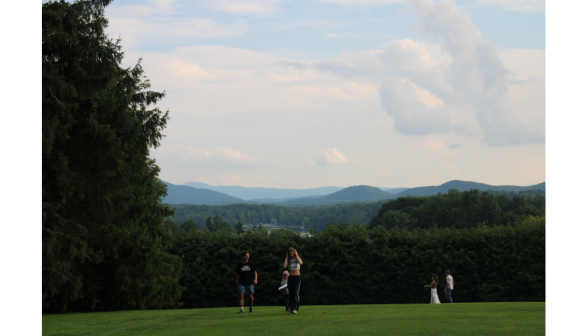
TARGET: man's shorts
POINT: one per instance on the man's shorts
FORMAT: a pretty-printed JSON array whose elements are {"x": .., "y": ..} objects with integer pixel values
[{"x": 246, "y": 289}]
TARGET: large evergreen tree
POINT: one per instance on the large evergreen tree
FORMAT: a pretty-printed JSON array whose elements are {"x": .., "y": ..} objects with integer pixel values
[{"x": 104, "y": 245}]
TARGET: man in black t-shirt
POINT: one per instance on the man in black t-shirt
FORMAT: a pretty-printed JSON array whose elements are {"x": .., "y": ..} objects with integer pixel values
[{"x": 246, "y": 278}]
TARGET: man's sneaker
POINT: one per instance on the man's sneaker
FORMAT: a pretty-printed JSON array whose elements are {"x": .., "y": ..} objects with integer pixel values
[
  {"x": 240, "y": 312},
  {"x": 294, "y": 312},
  {"x": 251, "y": 309}
]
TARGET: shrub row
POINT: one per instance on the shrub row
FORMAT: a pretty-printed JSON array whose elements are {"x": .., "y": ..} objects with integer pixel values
[{"x": 354, "y": 265}]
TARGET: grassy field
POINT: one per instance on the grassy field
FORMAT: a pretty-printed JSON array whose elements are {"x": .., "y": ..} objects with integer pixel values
[{"x": 511, "y": 318}]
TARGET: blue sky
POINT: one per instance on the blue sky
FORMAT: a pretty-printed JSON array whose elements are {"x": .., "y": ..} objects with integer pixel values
[
  {"x": 308, "y": 29},
  {"x": 301, "y": 94}
]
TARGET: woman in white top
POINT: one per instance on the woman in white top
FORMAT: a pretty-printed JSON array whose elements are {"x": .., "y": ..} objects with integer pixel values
[
  {"x": 292, "y": 263},
  {"x": 433, "y": 285}
]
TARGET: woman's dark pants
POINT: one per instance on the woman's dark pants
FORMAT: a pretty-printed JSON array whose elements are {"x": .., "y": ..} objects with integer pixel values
[{"x": 293, "y": 289}]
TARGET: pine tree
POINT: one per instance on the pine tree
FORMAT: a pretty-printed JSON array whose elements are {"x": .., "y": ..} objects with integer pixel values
[{"x": 104, "y": 244}]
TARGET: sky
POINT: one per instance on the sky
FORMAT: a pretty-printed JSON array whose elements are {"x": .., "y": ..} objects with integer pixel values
[
  {"x": 303, "y": 94},
  {"x": 512, "y": 27}
]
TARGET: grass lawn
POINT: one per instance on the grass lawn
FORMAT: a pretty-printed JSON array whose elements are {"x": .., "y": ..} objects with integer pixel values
[{"x": 510, "y": 318}]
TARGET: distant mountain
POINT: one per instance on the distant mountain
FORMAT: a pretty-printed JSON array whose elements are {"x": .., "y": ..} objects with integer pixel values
[
  {"x": 278, "y": 200},
  {"x": 394, "y": 190},
  {"x": 255, "y": 193},
  {"x": 464, "y": 186},
  {"x": 353, "y": 194},
  {"x": 179, "y": 194}
]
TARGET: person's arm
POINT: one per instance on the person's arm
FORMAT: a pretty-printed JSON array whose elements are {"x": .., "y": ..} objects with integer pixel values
[
  {"x": 432, "y": 283},
  {"x": 255, "y": 279},
  {"x": 446, "y": 284},
  {"x": 298, "y": 260},
  {"x": 237, "y": 279},
  {"x": 286, "y": 261}
]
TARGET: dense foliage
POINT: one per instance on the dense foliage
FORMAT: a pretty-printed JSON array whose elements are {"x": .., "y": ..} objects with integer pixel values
[
  {"x": 312, "y": 217},
  {"x": 353, "y": 265},
  {"x": 464, "y": 209},
  {"x": 104, "y": 247},
  {"x": 458, "y": 209}
]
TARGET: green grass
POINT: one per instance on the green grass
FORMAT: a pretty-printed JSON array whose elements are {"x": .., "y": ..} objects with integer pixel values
[{"x": 507, "y": 318}]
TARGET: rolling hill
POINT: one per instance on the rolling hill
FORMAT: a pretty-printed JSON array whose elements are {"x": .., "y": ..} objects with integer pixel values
[
  {"x": 256, "y": 193},
  {"x": 464, "y": 186},
  {"x": 394, "y": 190},
  {"x": 180, "y": 194},
  {"x": 353, "y": 194}
]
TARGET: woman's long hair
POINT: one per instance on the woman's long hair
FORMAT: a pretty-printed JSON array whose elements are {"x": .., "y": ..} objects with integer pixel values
[
  {"x": 290, "y": 251},
  {"x": 436, "y": 278}
]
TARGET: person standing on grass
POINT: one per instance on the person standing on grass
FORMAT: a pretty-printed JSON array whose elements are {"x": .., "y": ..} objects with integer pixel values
[
  {"x": 285, "y": 290},
  {"x": 246, "y": 278},
  {"x": 448, "y": 286},
  {"x": 433, "y": 285},
  {"x": 292, "y": 263}
]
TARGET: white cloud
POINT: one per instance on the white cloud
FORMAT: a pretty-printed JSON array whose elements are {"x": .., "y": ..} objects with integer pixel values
[
  {"x": 329, "y": 157},
  {"x": 363, "y": 2},
  {"x": 137, "y": 24},
  {"x": 460, "y": 86},
  {"x": 194, "y": 157},
  {"x": 258, "y": 7},
  {"x": 534, "y": 6},
  {"x": 411, "y": 115},
  {"x": 347, "y": 35}
]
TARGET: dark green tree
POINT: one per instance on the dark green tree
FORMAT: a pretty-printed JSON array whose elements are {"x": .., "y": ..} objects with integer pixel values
[
  {"x": 189, "y": 225},
  {"x": 397, "y": 219},
  {"x": 104, "y": 244},
  {"x": 216, "y": 223},
  {"x": 239, "y": 228}
]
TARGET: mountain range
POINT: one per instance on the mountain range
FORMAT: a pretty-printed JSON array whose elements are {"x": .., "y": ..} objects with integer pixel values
[
  {"x": 201, "y": 193},
  {"x": 181, "y": 194},
  {"x": 464, "y": 186}
]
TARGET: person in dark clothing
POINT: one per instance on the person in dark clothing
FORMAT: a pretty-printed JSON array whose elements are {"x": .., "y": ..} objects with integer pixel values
[
  {"x": 246, "y": 278},
  {"x": 292, "y": 263}
]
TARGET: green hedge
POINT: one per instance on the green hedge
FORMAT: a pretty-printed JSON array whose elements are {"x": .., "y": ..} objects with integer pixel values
[{"x": 353, "y": 265}]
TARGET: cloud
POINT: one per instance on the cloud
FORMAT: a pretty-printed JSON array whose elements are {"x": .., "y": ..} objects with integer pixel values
[
  {"x": 476, "y": 71},
  {"x": 193, "y": 157},
  {"x": 258, "y": 7},
  {"x": 329, "y": 157},
  {"x": 137, "y": 24},
  {"x": 533, "y": 6},
  {"x": 186, "y": 69},
  {"x": 362, "y": 2},
  {"x": 347, "y": 35},
  {"x": 411, "y": 115},
  {"x": 460, "y": 85}
]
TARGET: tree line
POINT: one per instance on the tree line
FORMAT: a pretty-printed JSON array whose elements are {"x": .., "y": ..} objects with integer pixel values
[
  {"x": 315, "y": 217},
  {"x": 351, "y": 264},
  {"x": 455, "y": 209}
]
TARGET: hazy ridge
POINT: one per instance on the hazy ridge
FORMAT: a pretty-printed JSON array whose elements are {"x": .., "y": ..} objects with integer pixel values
[{"x": 201, "y": 193}]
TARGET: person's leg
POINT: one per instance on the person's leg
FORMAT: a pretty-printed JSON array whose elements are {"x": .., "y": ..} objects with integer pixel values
[
  {"x": 448, "y": 295},
  {"x": 241, "y": 289},
  {"x": 290, "y": 292},
  {"x": 250, "y": 291},
  {"x": 298, "y": 294},
  {"x": 287, "y": 301},
  {"x": 293, "y": 288}
]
